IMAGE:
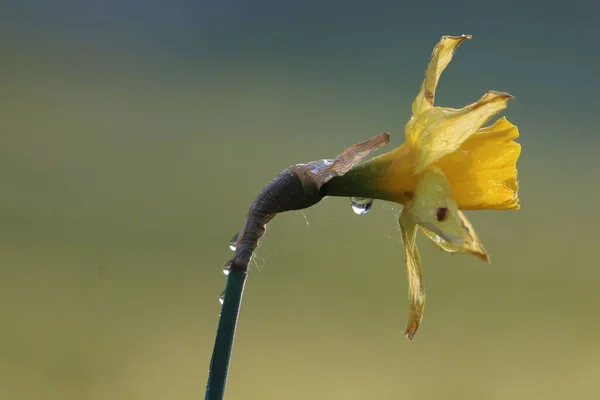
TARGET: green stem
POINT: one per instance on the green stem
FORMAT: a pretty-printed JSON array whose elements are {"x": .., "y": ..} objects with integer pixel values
[
  {"x": 360, "y": 181},
  {"x": 219, "y": 364}
]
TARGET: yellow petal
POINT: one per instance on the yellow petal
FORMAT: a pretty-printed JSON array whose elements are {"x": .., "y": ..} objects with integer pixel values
[
  {"x": 414, "y": 274},
  {"x": 478, "y": 251},
  {"x": 483, "y": 171},
  {"x": 439, "y": 242},
  {"x": 433, "y": 208},
  {"x": 440, "y": 58},
  {"x": 440, "y": 131}
]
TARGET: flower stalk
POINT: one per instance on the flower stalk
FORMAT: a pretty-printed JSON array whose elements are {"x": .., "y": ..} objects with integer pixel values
[
  {"x": 296, "y": 188},
  {"x": 219, "y": 363}
]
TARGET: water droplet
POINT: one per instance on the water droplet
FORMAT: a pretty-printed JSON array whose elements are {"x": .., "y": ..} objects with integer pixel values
[
  {"x": 222, "y": 297},
  {"x": 227, "y": 267},
  {"x": 361, "y": 205},
  {"x": 233, "y": 242}
]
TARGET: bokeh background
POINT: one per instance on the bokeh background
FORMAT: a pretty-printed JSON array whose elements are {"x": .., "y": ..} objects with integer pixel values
[{"x": 134, "y": 135}]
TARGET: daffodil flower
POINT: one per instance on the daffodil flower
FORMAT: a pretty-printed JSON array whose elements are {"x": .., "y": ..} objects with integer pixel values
[{"x": 448, "y": 163}]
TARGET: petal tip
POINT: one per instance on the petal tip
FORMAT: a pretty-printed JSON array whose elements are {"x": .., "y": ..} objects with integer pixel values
[
  {"x": 484, "y": 256},
  {"x": 498, "y": 94},
  {"x": 480, "y": 252},
  {"x": 459, "y": 39}
]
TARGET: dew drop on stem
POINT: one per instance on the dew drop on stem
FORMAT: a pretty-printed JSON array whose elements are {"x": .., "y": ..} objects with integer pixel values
[
  {"x": 361, "y": 205},
  {"x": 233, "y": 242}
]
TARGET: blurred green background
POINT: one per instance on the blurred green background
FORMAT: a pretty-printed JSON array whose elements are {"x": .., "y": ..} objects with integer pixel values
[{"x": 134, "y": 135}]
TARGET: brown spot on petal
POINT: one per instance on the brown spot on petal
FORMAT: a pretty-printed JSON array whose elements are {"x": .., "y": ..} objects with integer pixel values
[
  {"x": 441, "y": 213},
  {"x": 429, "y": 96}
]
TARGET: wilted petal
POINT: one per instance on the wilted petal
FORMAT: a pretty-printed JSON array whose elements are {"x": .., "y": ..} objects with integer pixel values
[
  {"x": 440, "y": 131},
  {"x": 414, "y": 274},
  {"x": 433, "y": 208},
  {"x": 440, "y": 58},
  {"x": 353, "y": 155},
  {"x": 439, "y": 242},
  {"x": 318, "y": 173},
  {"x": 478, "y": 251}
]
